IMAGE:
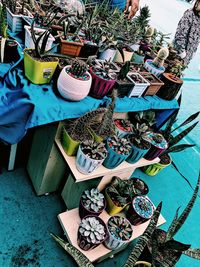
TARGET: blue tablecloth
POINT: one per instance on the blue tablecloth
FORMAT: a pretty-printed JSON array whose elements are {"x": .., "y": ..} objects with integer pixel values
[{"x": 24, "y": 105}]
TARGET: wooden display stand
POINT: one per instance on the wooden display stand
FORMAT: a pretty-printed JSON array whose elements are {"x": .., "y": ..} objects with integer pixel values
[
  {"x": 78, "y": 182},
  {"x": 70, "y": 221}
]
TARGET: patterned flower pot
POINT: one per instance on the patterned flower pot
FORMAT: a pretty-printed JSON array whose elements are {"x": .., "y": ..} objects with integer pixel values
[
  {"x": 140, "y": 210},
  {"x": 152, "y": 68},
  {"x": 113, "y": 159},
  {"x": 84, "y": 241},
  {"x": 114, "y": 241},
  {"x": 157, "y": 148},
  {"x": 69, "y": 145},
  {"x": 154, "y": 169},
  {"x": 155, "y": 83},
  {"x": 86, "y": 165},
  {"x": 139, "y": 84},
  {"x": 100, "y": 87},
  {"x": 111, "y": 207}
]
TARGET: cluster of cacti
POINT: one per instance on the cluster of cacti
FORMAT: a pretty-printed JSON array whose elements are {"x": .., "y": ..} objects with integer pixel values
[
  {"x": 94, "y": 150},
  {"x": 92, "y": 229},
  {"x": 78, "y": 68},
  {"x": 120, "y": 228},
  {"x": 93, "y": 200},
  {"x": 120, "y": 145},
  {"x": 161, "y": 56}
]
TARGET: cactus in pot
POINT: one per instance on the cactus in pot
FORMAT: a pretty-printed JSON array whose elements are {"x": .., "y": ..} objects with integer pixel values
[
  {"x": 161, "y": 56},
  {"x": 91, "y": 232},
  {"x": 91, "y": 202}
]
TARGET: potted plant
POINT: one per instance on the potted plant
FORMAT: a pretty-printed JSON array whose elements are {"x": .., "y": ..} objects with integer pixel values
[
  {"x": 14, "y": 15},
  {"x": 173, "y": 140},
  {"x": 156, "y": 66},
  {"x": 158, "y": 145},
  {"x": 74, "y": 132},
  {"x": 119, "y": 232},
  {"x": 92, "y": 202},
  {"x": 8, "y": 47},
  {"x": 39, "y": 65},
  {"x": 120, "y": 192},
  {"x": 139, "y": 84},
  {"x": 90, "y": 156},
  {"x": 123, "y": 127},
  {"x": 77, "y": 79},
  {"x": 172, "y": 82},
  {"x": 155, "y": 83},
  {"x": 127, "y": 52},
  {"x": 118, "y": 150},
  {"x": 140, "y": 210},
  {"x": 102, "y": 82},
  {"x": 139, "y": 145},
  {"x": 91, "y": 232}
]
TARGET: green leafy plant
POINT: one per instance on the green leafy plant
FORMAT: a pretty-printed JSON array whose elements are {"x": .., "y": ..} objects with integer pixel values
[
  {"x": 93, "y": 200},
  {"x": 93, "y": 149},
  {"x": 120, "y": 228}
]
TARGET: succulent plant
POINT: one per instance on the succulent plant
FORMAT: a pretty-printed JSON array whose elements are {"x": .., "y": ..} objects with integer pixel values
[
  {"x": 93, "y": 200},
  {"x": 94, "y": 150},
  {"x": 119, "y": 145},
  {"x": 78, "y": 68},
  {"x": 161, "y": 56},
  {"x": 92, "y": 229},
  {"x": 125, "y": 124},
  {"x": 120, "y": 228}
]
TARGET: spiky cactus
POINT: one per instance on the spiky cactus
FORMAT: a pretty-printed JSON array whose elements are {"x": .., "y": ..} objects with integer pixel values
[
  {"x": 78, "y": 68},
  {"x": 92, "y": 229},
  {"x": 93, "y": 200},
  {"x": 161, "y": 56}
]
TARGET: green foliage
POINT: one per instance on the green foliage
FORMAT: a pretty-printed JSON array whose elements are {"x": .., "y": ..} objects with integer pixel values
[
  {"x": 120, "y": 145},
  {"x": 142, "y": 20},
  {"x": 3, "y": 21},
  {"x": 124, "y": 71}
]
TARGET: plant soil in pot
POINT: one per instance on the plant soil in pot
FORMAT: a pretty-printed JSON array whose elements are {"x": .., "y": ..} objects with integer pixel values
[
  {"x": 158, "y": 145},
  {"x": 155, "y": 83},
  {"x": 74, "y": 81},
  {"x": 90, "y": 156},
  {"x": 123, "y": 127},
  {"x": 171, "y": 87},
  {"x": 92, "y": 202},
  {"x": 118, "y": 150},
  {"x": 139, "y": 148},
  {"x": 102, "y": 83},
  {"x": 152, "y": 170},
  {"x": 140, "y": 210},
  {"x": 140, "y": 84},
  {"x": 91, "y": 232},
  {"x": 119, "y": 232}
]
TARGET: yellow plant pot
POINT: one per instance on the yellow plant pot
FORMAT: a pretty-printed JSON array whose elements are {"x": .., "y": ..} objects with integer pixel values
[
  {"x": 142, "y": 264},
  {"x": 154, "y": 169},
  {"x": 97, "y": 138},
  {"x": 38, "y": 72},
  {"x": 111, "y": 208},
  {"x": 70, "y": 146}
]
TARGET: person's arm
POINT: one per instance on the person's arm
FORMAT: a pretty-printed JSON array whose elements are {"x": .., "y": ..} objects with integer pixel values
[
  {"x": 134, "y": 7},
  {"x": 182, "y": 31}
]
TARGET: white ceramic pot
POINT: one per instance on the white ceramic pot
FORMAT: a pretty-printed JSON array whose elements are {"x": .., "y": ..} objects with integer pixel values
[
  {"x": 108, "y": 54},
  {"x": 153, "y": 69},
  {"x": 29, "y": 41},
  {"x": 127, "y": 56},
  {"x": 71, "y": 88},
  {"x": 138, "y": 88},
  {"x": 85, "y": 164}
]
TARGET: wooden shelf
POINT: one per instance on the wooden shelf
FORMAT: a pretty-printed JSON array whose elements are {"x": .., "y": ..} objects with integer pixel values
[
  {"x": 70, "y": 221},
  {"x": 101, "y": 171}
]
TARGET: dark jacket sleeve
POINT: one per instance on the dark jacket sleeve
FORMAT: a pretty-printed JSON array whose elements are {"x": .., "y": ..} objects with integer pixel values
[{"x": 182, "y": 31}]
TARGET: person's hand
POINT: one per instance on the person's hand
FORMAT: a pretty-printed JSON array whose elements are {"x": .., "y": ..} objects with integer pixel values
[
  {"x": 134, "y": 7},
  {"x": 183, "y": 54}
]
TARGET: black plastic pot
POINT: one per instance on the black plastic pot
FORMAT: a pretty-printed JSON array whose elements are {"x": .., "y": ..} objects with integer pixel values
[
  {"x": 123, "y": 89},
  {"x": 11, "y": 53},
  {"x": 88, "y": 50}
]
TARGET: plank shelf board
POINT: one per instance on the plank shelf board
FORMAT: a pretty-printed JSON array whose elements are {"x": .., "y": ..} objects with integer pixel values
[
  {"x": 101, "y": 171},
  {"x": 70, "y": 221}
]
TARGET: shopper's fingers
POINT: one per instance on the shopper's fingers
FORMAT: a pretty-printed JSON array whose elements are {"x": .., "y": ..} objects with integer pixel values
[
  {"x": 128, "y": 3},
  {"x": 132, "y": 12}
]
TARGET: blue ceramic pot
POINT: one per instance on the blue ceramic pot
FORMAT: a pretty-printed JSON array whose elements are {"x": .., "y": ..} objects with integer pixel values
[{"x": 136, "y": 154}]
